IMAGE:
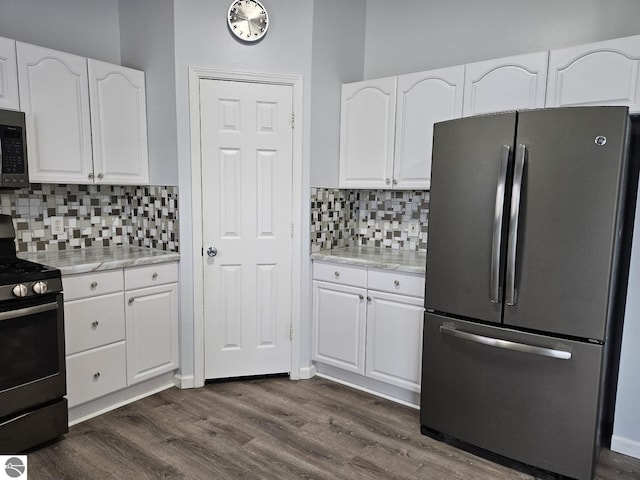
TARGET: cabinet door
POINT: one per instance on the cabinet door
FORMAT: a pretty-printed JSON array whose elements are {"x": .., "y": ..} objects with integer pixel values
[
  {"x": 8, "y": 75},
  {"x": 423, "y": 99},
  {"x": 367, "y": 124},
  {"x": 603, "y": 73},
  {"x": 152, "y": 332},
  {"x": 118, "y": 123},
  {"x": 394, "y": 339},
  {"x": 503, "y": 84},
  {"x": 339, "y": 315},
  {"x": 54, "y": 94}
]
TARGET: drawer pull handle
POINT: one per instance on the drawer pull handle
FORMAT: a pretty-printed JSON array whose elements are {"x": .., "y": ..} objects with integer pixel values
[
  {"x": 337, "y": 274},
  {"x": 154, "y": 276},
  {"x": 396, "y": 283},
  {"x": 96, "y": 376},
  {"x": 93, "y": 285},
  {"x": 94, "y": 324},
  {"x": 131, "y": 300}
]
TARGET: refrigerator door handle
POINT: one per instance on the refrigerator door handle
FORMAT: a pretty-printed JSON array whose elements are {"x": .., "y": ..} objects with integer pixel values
[
  {"x": 516, "y": 189},
  {"x": 497, "y": 226},
  {"x": 506, "y": 344}
]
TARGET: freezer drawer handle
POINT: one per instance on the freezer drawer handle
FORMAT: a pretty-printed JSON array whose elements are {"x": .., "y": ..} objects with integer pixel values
[
  {"x": 497, "y": 226},
  {"x": 506, "y": 344},
  {"x": 516, "y": 190}
]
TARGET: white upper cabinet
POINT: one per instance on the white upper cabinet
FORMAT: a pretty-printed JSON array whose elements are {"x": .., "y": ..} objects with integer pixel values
[
  {"x": 603, "y": 73},
  {"x": 8, "y": 75},
  {"x": 367, "y": 124},
  {"x": 503, "y": 84},
  {"x": 423, "y": 99},
  {"x": 54, "y": 94},
  {"x": 119, "y": 124}
]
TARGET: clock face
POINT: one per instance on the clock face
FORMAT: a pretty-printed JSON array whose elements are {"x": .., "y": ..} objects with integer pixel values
[{"x": 248, "y": 20}]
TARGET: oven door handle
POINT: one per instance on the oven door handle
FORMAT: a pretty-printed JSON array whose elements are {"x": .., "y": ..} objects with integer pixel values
[{"x": 24, "y": 312}]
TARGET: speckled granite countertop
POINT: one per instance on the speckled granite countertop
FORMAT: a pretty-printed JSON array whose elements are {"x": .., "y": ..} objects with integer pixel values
[
  {"x": 402, "y": 260},
  {"x": 100, "y": 258}
]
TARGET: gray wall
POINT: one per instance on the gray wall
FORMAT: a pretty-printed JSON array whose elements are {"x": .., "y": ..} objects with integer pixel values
[
  {"x": 147, "y": 43},
  {"x": 423, "y": 35},
  {"x": 338, "y": 57},
  {"x": 202, "y": 40},
  {"x": 88, "y": 28}
]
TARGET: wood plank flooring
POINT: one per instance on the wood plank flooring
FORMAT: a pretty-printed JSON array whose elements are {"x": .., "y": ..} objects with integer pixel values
[{"x": 270, "y": 429}]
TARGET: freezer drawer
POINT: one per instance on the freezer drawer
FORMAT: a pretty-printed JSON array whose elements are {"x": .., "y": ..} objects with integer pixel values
[{"x": 534, "y": 405}]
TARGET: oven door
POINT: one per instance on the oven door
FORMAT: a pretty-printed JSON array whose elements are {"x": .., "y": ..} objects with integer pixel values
[{"x": 32, "y": 368}]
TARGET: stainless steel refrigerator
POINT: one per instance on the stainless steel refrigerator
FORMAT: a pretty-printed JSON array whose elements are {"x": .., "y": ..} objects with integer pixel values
[{"x": 526, "y": 260}]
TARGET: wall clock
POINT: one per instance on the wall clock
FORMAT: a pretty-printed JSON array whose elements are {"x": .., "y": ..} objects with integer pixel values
[{"x": 248, "y": 20}]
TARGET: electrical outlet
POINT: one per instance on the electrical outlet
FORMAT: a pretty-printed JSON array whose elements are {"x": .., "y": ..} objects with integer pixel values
[
  {"x": 57, "y": 225},
  {"x": 414, "y": 229}
]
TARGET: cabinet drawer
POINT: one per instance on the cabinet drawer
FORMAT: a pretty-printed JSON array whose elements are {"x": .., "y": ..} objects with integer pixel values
[
  {"x": 93, "y": 322},
  {"x": 95, "y": 373},
  {"x": 150, "y": 275},
  {"x": 92, "y": 284},
  {"x": 396, "y": 282},
  {"x": 339, "y": 273}
]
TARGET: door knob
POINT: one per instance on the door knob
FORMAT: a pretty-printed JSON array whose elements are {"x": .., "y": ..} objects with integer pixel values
[{"x": 212, "y": 251}]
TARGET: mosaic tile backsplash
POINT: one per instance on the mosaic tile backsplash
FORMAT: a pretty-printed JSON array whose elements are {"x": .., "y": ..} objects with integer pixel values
[
  {"x": 93, "y": 215},
  {"x": 395, "y": 219}
]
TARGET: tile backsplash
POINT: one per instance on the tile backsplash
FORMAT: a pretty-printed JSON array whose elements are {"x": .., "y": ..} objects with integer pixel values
[
  {"x": 93, "y": 215},
  {"x": 383, "y": 218}
]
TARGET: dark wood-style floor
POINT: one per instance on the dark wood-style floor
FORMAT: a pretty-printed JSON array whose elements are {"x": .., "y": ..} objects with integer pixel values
[{"x": 269, "y": 429}]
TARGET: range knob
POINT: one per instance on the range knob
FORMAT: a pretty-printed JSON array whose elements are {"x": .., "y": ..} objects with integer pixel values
[
  {"x": 40, "y": 287},
  {"x": 20, "y": 290}
]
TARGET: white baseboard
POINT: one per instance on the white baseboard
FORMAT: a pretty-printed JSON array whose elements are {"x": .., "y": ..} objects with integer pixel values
[
  {"x": 625, "y": 446},
  {"x": 307, "y": 372},
  {"x": 184, "y": 381}
]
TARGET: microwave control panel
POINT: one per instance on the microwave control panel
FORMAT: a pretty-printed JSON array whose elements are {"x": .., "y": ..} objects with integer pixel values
[{"x": 13, "y": 152}]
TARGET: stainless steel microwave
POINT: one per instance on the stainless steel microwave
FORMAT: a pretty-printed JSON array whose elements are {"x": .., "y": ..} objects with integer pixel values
[{"x": 14, "y": 172}]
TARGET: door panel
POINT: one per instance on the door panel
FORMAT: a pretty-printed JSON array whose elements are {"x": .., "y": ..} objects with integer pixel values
[
  {"x": 467, "y": 157},
  {"x": 567, "y": 230},
  {"x": 535, "y": 409},
  {"x": 247, "y": 188}
]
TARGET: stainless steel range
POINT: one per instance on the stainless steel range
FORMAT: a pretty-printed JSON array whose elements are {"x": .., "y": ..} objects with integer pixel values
[{"x": 33, "y": 409}]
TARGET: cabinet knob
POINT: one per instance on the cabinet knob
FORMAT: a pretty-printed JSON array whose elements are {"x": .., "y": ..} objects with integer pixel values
[
  {"x": 90, "y": 176},
  {"x": 361, "y": 297},
  {"x": 368, "y": 298},
  {"x": 131, "y": 300},
  {"x": 395, "y": 182},
  {"x": 387, "y": 181},
  {"x": 396, "y": 283},
  {"x": 101, "y": 176},
  {"x": 154, "y": 276},
  {"x": 336, "y": 273},
  {"x": 93, "y": 285},
  {"x": 96, "y": 376},
  {"x": 94, "y": 324}
]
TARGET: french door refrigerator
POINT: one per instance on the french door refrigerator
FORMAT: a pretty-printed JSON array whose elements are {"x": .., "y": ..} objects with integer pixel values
[{"x": 525, "y": 269}]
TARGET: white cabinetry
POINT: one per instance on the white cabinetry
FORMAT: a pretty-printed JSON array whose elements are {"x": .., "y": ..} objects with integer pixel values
[
  {"x": 369, "y": 322},
  {"x": 94, "y": 335},
  {"x": 423, "y": 99},
  {"x": 602, "y": 73},
  {"x": 152, "y": 321},
  {"x": 502, "y": 84},
  {"x": 54, "y": 94},
  {"x": 118, "y": 123},
  {"x": 367, "y": 124},
  {"x": 387, "y": 123},
  {"x": 8, "y": 75},
  {"x": 67, "y": 103},
  {"x": 121, "y": 327}
]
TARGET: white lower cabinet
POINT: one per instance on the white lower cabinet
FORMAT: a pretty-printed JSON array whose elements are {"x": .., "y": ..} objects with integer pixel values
[
  {"x": 121, "y": 327},
  {"x": 394, "y": 339},
  {"x": 369, "y": 322}
]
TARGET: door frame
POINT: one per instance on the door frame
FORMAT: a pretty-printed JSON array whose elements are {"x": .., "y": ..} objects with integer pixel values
[{"x": 295, "y": 81}]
